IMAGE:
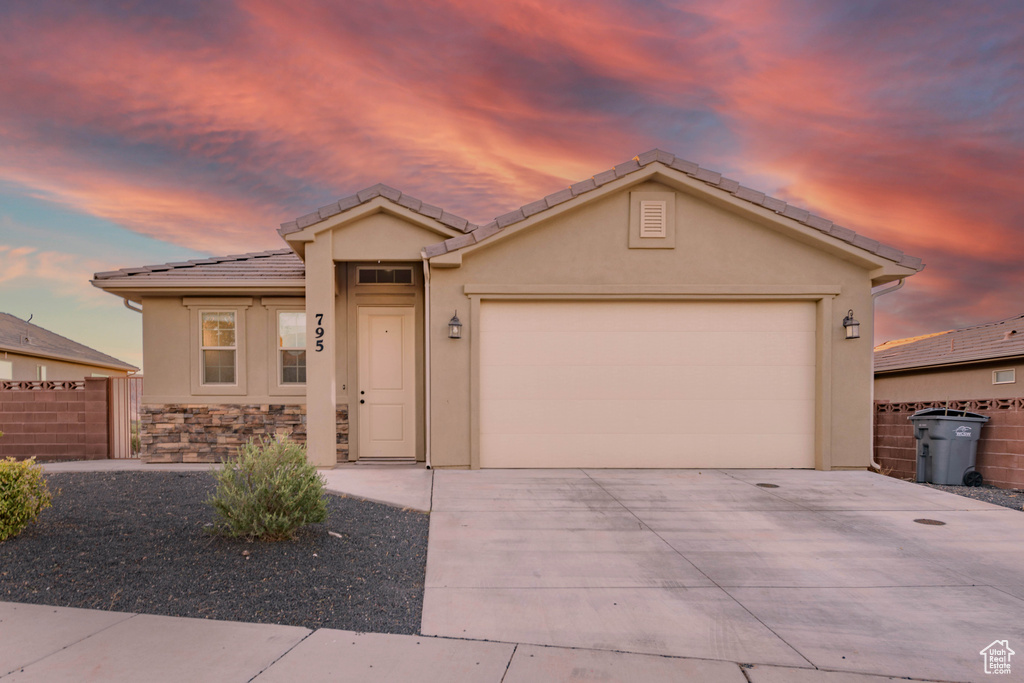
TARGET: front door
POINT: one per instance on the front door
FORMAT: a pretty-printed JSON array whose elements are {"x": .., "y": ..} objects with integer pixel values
[{"x": 387, "y": 382}]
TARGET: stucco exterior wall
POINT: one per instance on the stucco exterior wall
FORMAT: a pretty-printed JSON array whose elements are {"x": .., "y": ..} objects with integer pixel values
[
  {"x": 949, "y": 384},
  {"x": 170, "y": 339},
  {"x": 23, "y": 368},
  {"x": 714, "y": 246}
]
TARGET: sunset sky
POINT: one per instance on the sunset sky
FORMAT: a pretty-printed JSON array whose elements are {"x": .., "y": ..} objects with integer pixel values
[{"x": 135, "y": 132}]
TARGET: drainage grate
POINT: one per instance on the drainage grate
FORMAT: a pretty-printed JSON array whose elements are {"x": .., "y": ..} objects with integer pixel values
[
  {"x": 932, "y": 522},
  {"x": 768, "y": 486}
]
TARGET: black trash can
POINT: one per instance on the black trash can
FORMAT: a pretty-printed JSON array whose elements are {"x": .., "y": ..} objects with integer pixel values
[{"x": 947, "y": 446}]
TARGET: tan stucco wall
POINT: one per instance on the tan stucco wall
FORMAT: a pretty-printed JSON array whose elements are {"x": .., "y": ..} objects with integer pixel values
[
  {"x": 23, "y": 368},
  {"x": 949, "y": 384},
  {"x": 167, "y": 342},
  {"x": 714, "y": 246}
]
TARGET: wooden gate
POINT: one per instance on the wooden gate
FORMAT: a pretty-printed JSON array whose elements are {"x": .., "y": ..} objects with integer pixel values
[{"x": 124, "y": 398}]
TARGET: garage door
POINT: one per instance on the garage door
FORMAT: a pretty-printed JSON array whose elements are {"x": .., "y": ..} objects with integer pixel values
[{"x": 646, "y": 384}]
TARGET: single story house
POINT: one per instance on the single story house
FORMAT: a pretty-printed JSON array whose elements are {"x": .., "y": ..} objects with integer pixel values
[
  {"x": 656, "y": 314},
  {"x": 977, "y": 368},
  {"x": 31, "y": 353},
  {"x": 977, "y": 362}
]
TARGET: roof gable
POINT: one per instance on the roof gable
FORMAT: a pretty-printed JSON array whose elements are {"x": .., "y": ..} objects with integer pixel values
[
  {"x": 686, "y": 176},
  {"x": 641, "y": 167},
  {"x": 988, "y": 341},
  {"x": 22, "y": 337}
]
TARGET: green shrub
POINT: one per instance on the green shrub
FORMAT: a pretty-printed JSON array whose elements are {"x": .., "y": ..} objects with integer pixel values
[
  {"x": 268, "y": 492},
  {"x": 23, "y": 495}
]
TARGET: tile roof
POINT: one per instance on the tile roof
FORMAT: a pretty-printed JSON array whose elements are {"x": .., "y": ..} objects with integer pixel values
[
  {"x": 370, "y": 193},
  {"x": 19, "y": 336},
  {"x": 988, "y": 341},
  {"x": 264, "y": 266},
  {"x": 477, "y": 233}
]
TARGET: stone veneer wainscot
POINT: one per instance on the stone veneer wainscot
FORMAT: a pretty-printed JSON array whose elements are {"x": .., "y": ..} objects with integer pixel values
[{"x": 178, "y": 432}]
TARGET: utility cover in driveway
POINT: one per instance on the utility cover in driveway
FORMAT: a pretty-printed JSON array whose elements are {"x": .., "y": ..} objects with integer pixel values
[{"x": 647, "y": 384}]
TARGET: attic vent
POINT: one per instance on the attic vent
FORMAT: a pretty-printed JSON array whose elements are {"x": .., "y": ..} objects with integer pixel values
[
  {"x": 1009, "y": 335},
  {"x": 25, "y": 339},
  {"x": 653, "y": 221}
]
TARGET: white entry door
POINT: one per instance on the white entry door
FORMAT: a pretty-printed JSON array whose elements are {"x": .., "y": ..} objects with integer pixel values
[{"x": 386, "y": 393}]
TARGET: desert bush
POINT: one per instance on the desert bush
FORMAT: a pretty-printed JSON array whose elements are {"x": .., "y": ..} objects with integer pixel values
[
  {"x": 268, "y": 492},
  {"x": 23, "y": 495}
]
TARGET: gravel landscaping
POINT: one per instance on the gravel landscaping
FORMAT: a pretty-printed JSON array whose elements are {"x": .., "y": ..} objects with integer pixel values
[
  {"x": 138, "y": 542},
  {"x": 1008, "y": 498}
]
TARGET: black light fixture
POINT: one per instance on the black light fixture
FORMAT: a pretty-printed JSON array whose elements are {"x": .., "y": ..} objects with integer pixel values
[
  {"x": 851, "y": 326},
  {"x": 455, "y": 327}
]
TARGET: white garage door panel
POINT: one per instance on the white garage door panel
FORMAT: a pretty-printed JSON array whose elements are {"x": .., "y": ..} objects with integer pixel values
[
  {"x": 700, "y": 450},
  {"x": 642, "y": 347},
  {"x": 542, "y": 416},
  {"x": 647, "y": 384}
]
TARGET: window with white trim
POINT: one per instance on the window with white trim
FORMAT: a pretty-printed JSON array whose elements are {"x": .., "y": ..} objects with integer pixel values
[
  {"x": 1004, "y": 376},
  {"x": 291, "y": 346},
  {"x": 41, "y": 373},
  {"x": 218, "y": 347}
]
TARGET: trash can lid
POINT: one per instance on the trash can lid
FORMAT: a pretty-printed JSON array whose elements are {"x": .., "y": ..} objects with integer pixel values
[{"x": 949, "y": 413}]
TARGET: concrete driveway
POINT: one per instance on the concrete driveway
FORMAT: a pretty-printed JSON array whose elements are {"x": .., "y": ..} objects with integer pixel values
[{"x": 817, "y": 569}]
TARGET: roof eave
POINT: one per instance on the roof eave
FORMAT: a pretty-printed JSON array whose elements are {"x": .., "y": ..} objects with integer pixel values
[
  {"x": 23, "y": 351},
  {"x": 936, "y": 366},
  {"x": 135, "y": 290}
]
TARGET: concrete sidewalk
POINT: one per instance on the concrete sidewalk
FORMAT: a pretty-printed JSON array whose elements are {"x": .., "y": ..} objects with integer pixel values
[{"x": 46, "y": 644}]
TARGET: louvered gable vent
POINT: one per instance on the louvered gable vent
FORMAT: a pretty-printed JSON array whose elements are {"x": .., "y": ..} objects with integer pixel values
[{"x": 653, "y": 221}]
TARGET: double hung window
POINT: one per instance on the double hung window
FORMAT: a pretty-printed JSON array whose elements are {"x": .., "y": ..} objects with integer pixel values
[
  {"x": 291, "y": 345},
  {"x": 219, "y": 347}
]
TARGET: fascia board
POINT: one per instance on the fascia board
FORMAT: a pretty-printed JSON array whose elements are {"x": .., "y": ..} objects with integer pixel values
[
  {"x": 890, "y": 272},
  {"x": 954, "y": 364},
  {"x": 114, "y": 285}
]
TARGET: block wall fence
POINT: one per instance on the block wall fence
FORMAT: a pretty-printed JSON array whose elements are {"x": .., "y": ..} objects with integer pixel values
[
  {"x": 1000, "y": 448},
  {"x": 54, "y": 420}
]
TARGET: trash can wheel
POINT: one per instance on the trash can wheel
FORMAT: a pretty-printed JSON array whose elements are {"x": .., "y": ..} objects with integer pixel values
[{"x": 973, "y": 478}]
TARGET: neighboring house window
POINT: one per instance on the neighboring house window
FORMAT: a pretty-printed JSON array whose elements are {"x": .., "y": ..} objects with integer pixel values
[
  {"x": 291, "y": 344},
  {"x": 6, "y": 369},
  {"x": 219, "y": 347},
  {"x": 1004, "y": 376},
  {"x": 98, "y": 374},
  {"x": 41, "y": 373}
]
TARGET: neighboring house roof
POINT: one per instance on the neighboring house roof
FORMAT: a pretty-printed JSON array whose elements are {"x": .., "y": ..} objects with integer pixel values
[
  {"x": 477, "y": 233},
  {"x": 270, "y": 266},
  {"x": 19, "y": 336},
  {"x": 988, "y": 341}
]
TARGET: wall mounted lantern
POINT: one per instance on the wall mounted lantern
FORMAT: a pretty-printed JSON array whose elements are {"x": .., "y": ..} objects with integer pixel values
[
  {"x": 455, "y": 327},
  {"x": 851, "y": 326}
]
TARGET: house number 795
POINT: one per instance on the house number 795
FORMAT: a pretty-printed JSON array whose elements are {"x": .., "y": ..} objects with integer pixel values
[{"x": 319, "y": 331}]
